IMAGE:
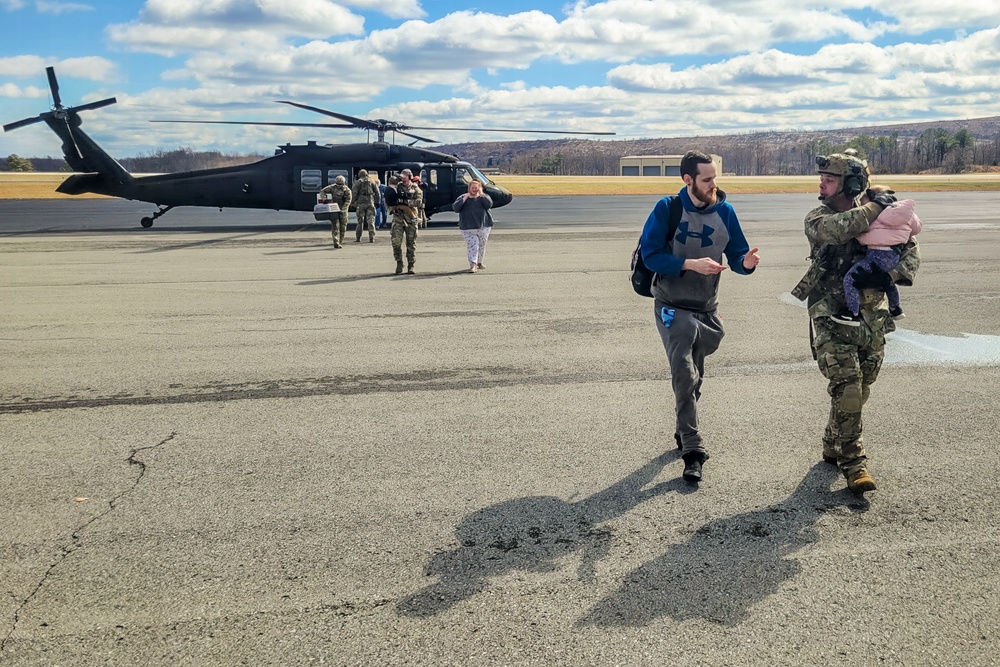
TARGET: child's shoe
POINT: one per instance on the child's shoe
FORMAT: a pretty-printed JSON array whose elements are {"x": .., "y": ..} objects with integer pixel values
[
  {"x": 846, "y": 318},
  {"x": 897, "y": 313}
]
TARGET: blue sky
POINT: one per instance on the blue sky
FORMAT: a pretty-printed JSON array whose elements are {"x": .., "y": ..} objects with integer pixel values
[{"x": 640, "y": 68}]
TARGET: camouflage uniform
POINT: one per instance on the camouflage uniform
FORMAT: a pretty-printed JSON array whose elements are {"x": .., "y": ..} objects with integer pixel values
[
  {"x": 366, "y": 197},
  {"x": 849, "y": 357},
  {"x": 342, "y": 198},
  {"x": 404, "y": 224}
]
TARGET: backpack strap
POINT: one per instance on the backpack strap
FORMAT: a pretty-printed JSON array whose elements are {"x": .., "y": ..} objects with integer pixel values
[{"x": 674, "y": 212}]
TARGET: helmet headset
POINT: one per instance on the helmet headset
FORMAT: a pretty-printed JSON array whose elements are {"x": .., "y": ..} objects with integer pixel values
[{"x": 852, "y": 170}]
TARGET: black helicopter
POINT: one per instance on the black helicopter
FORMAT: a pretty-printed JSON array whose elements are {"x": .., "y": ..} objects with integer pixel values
[{"x": 287, "y": 181}]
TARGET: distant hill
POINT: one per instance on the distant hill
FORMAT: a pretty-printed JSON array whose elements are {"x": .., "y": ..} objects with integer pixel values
[{"x": 908, "y": 145}]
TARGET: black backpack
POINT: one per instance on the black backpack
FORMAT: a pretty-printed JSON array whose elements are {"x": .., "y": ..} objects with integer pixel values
[{"x": 642, "y": 277}]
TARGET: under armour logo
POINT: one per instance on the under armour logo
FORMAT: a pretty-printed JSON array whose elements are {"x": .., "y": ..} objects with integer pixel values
[{"x": 683, "y": 234}]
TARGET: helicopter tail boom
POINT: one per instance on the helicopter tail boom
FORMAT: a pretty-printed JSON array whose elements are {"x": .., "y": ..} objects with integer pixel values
[{"x": 81, "y": 152}]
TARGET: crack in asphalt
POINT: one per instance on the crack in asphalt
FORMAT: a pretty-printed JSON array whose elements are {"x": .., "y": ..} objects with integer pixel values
[
  {"x": 444, "y": 380},
  {"x": 74, "y": 545}
]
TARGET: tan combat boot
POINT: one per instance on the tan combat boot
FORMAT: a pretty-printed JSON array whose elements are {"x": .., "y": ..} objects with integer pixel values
[{"x": 860, "y": 481}]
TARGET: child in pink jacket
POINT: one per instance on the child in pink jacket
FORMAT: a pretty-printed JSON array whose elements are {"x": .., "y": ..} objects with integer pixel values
[{"x": 886, "y": 234}]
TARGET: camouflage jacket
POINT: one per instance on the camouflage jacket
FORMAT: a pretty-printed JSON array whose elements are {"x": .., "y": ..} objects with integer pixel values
[
  {"x": 341, "y": 195},
  {"x": 365, "y": 194},
  {"x": 410, "y": 195},
  {"x": 834, "y": 249}
]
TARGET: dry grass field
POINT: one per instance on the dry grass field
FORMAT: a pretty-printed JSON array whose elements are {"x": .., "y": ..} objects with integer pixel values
[{"x": 42, "y": 186}]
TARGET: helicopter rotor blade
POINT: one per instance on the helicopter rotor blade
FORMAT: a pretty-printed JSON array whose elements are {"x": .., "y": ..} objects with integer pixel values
[
  {"x": 418, "y": 137},
  {"x": 95, "y": 105},
  {"x": 251, "y": 122},
  {"x": 50, "y": 72},
  {"x": 502, "y": 129},
  {"x": 356, "y": 122},
  {"x": 21, "y": 123},
  {"x": 381, "y": 125}
]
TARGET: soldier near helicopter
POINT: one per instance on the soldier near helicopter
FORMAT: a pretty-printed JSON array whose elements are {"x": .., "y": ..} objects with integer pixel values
[
  {"x": 849, "y": 357},
  {"x": 421, "y": 211},
  {"x": 404, "y": 200},
  {"x": 341, "y": 197},
  {"x": 366, "y": 197}
]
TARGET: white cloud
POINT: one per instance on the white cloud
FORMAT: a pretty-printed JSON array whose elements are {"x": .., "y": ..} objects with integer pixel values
[
  {"x": 91, "y": 68},
  {"x": 56, "y": 8},
  {"x": 915, "y": 17},
  {"x": 29, "y": 92},
  {"x": 11, "y": 5},
  {"x": 843, "y": 68},
  {"x": 395, "y": 9},
  {"x": 170, "y": 27}
]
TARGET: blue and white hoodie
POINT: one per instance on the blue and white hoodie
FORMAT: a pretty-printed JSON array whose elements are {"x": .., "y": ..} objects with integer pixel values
[{"x": 702, "y": 232}]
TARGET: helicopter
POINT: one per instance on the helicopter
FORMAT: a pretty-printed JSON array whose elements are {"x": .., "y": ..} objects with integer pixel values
[{"x": 289, "y": 180}]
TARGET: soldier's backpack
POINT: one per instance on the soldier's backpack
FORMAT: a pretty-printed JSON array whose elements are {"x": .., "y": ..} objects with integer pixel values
[{"x": 642, "y": 277}]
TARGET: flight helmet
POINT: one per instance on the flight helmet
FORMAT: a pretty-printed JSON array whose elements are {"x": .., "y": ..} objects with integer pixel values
[{"x": 852, "y": 170}]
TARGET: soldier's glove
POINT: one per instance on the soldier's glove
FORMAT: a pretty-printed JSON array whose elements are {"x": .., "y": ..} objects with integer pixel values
[
  {"x": 884, "y": 199},
  {"x": 875, "y": 278}
]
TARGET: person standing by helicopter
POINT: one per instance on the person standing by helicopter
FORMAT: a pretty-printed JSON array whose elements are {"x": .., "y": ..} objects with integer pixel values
[
  {"x": 475, "y": 221},
  {"x": 404, "y": 203},
  {"x": 366, "y": 196},
  {"x": 341, "y": 197},
  {"x": 381, "y": 213},
  {"x": 421, "y": 212}
]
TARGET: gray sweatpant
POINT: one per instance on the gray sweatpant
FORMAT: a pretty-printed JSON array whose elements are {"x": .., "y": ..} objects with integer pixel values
[{"x": 688, "y": 339}]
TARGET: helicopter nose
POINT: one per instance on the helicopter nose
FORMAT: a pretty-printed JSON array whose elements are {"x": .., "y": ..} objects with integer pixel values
[{"x": 501, "y": 196}]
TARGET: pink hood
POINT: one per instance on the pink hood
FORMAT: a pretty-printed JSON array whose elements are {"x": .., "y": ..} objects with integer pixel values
[{"x": 893, "y": 226}]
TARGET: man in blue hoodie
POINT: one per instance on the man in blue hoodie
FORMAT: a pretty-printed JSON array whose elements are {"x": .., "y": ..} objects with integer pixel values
[{"x": 688, "y": 264}]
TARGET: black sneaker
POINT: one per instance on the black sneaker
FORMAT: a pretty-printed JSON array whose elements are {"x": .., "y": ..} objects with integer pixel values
[
  {"x": 847, "y": 319},
  {"x": 692, "y": 468},
  {"x": 897, "y": 313}
]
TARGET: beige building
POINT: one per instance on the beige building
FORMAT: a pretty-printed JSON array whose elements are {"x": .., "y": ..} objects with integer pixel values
[{"x": 657, "y": 165}]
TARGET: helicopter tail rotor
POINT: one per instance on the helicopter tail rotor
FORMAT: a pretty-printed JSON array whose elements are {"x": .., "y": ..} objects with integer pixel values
[{"x": 58, "y": 111}]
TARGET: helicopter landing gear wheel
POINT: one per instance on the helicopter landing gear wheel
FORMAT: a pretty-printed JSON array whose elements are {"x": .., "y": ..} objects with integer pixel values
[{"x": 148, "y": 221}]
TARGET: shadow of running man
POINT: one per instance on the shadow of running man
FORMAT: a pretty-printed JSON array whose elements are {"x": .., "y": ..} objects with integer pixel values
[
  {"x": 728, "y": 565},
  {"x": 530, "y": 535}
]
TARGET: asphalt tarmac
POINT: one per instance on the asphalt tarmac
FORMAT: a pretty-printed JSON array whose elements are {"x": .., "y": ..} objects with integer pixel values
[{"x": 231, "y": 444}]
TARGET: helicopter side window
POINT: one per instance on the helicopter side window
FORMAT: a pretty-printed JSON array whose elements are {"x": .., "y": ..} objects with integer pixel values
[
  {"x": 432, "y": 178},
  {"x": 311, "y": 180},
  {"x": 332, "y": 174}
]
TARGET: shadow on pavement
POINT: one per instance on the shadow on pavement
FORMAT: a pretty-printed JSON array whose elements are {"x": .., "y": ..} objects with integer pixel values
[
  {"x": 728, "y": 565},
  {"x": 530, "y": 535},
  {"x": 388, "y": 274}
]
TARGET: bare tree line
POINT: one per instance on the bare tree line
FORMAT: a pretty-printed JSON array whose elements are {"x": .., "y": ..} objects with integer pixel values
[{"x": 934, "y": 149}]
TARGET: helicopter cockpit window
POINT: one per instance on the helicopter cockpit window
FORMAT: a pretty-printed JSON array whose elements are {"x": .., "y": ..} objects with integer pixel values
[
  {"x": 478, "y": 174},
  {"x": 311, "y": 180},
  {"x": 462, "y": 175}
]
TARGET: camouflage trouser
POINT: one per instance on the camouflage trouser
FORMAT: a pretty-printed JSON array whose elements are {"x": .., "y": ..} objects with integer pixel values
[
  {"x": 366, "y": 217},
  {"x": 338, "y": 227},
  {"x": 850, "y": 358},
  {"x": 404, "y": 226}
]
